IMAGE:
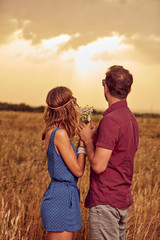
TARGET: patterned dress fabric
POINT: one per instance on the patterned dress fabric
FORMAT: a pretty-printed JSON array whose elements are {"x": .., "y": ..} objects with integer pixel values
[{"x": 60, "y": 209}]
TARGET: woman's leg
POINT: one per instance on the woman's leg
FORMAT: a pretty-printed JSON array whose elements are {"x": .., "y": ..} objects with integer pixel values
[{"x": 60, "y": 236}]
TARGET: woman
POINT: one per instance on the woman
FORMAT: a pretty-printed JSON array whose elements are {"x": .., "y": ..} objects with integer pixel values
[{"x": 60, "y": 209}]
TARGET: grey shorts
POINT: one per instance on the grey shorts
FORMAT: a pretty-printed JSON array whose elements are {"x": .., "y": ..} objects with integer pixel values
[{"x": 107, "y": 223}]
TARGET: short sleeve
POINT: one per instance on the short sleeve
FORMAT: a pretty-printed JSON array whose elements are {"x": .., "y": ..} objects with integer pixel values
[{"x": 108, "y": 133}]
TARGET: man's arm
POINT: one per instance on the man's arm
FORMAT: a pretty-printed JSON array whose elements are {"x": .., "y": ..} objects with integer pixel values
[{"x": 98, "y": 157}]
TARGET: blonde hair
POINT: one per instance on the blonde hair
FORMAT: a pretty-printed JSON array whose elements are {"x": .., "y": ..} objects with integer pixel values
[{"x": 61, "y": 111}]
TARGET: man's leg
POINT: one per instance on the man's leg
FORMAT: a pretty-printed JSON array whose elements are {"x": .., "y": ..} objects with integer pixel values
[
  {"x": 94, "y": 224},
  {"x": 122, "y": 223},
  {"x": 104, "y": 223}
]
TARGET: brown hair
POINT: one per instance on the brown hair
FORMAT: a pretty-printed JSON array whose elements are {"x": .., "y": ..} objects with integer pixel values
[
  {"x": 61, "y": 110},
  {"x": 118, "y": 81}
]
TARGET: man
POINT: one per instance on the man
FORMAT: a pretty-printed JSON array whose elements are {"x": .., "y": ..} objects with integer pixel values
[{"x": 111, "y": 150}]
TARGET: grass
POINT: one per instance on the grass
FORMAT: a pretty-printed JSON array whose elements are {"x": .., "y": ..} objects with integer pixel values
[{"x": 24, "y": 178}]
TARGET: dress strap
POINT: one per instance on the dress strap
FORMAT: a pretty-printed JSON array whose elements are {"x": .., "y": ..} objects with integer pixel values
[
  {"x": 53, "y": 132},
  {"x": 52, "y": 138}
]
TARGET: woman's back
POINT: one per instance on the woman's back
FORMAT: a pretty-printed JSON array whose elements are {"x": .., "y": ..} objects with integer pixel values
[{"x": 56, "y": 165}]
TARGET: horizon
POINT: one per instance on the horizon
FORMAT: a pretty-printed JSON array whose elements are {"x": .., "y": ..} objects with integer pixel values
[{"x": 40, "y": 106}]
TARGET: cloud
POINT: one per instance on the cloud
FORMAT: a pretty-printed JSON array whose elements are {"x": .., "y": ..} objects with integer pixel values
[
  {"x": 146, "y": 48},
  {"x": 41, "y": 19}
]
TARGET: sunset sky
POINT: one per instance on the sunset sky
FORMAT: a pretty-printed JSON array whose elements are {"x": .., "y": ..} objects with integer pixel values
[{"x": 49, "y": 43}]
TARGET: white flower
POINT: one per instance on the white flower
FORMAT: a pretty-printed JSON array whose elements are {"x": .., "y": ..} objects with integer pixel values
[{"x": 86, "y": 114}]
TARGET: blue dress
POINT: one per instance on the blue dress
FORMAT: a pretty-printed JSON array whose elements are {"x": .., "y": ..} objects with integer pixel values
[{"x": 60, "y": 208}]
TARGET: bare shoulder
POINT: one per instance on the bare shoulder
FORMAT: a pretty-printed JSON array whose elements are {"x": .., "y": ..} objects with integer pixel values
[
  {"x": 61, "y": 139},
  {"x": 61, "y": 134}
]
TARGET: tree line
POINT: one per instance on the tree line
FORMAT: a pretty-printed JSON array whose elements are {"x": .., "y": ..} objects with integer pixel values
[{"x": 22, "y": 107}]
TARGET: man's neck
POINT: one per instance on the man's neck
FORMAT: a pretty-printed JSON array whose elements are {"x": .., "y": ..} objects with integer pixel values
[{"x": 113, "y": 100}]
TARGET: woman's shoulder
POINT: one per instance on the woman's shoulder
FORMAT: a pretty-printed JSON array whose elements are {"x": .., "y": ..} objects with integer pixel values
[
  {"x": 58, "y": 131},
  {"x": 61, "y": 133},
  {"x": 61, "y": 138}
]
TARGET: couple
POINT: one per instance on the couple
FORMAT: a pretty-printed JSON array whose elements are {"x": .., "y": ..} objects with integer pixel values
[{"x": 110, "y": 149}]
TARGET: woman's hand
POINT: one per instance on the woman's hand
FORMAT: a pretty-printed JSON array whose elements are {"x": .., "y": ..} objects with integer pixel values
[
  {"x": 81, "y": 143},
  {"x": 86, "y": 132}
]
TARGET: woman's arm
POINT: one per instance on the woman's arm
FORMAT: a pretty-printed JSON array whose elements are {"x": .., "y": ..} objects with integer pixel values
[
  {"x": 81, "y": 155},
  {"x": 64, "y": 147}
]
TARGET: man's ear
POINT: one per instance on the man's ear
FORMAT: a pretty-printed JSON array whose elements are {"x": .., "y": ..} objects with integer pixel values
[{"x": 106, "y": 88}]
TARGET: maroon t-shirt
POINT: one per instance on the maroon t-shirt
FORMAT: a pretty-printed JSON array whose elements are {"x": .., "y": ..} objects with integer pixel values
[{"x": 117, "y": 131}]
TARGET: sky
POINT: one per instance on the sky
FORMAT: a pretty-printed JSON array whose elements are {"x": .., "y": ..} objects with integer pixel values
[{"x": 72, "y": 43}]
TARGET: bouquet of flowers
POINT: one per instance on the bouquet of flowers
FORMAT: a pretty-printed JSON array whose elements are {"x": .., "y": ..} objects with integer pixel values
[{"x": 86, "y": 114}]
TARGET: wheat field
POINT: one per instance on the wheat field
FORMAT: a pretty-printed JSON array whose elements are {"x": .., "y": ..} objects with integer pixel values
[{"x": 24, "y": 178}]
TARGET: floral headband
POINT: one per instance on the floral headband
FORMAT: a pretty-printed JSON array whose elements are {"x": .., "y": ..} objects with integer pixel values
[{"x": 72, "y": 99}]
